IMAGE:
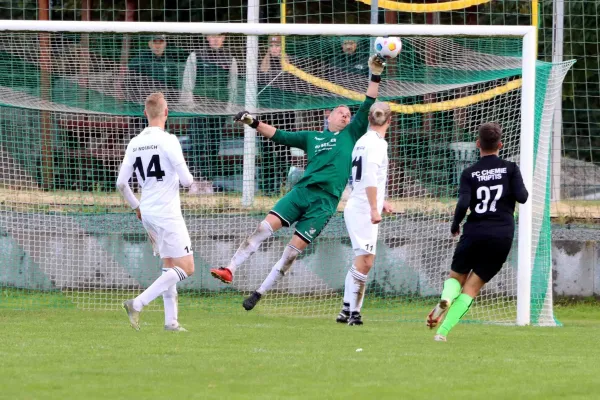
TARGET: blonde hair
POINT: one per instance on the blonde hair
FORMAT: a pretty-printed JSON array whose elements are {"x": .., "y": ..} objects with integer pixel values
[
  {"x": 379, "y": 113},
  {"x": 154, "y": 105}
]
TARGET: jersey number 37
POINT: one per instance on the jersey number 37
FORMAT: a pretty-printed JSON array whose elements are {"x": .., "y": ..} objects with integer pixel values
[
  {"x": 153, "y": 169},
  {"x": 484, "y": 194}
]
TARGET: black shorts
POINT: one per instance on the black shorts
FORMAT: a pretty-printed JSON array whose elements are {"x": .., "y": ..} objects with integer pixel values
[{"x": 482, "y": 255}]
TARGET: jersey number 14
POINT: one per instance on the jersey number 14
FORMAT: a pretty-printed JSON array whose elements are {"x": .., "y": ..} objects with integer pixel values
[{"x": 153, "y": 169}]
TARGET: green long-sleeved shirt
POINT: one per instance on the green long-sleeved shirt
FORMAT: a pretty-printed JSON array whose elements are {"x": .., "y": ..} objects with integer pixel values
[{"x": 329, "y": 153}]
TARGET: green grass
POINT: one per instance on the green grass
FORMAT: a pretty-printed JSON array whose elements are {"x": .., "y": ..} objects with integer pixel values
[{"x": 67, "y": 353}]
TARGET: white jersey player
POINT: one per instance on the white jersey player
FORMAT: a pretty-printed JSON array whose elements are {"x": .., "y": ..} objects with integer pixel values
[
  {"x": 365, "y": 205},
  {"x": 157, "y": 159}
]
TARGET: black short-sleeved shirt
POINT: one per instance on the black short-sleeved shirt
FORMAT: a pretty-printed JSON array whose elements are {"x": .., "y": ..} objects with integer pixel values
[{"x": 489, "y": 188}]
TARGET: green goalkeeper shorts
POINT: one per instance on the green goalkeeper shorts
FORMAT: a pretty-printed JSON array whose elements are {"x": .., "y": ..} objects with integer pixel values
[{"x": 309, "y": 206}]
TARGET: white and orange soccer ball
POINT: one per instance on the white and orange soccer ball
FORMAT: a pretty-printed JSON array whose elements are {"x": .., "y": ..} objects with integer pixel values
[{"x": 388, "y": 47}]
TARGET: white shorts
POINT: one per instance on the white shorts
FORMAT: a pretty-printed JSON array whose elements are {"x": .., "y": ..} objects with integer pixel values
[
  {"x": 169, "y": 236},
  {"x": 362, "y": 232}
]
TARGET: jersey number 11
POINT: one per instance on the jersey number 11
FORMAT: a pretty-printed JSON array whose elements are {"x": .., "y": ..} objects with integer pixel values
[{"x": 357, "y": 162}]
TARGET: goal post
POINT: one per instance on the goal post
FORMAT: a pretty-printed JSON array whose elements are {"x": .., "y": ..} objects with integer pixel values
[
  {"x": 77, "y": 237},
  {"x": 526, "y": 165}
]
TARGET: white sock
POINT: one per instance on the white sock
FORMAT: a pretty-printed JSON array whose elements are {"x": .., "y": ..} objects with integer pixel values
[
  {"x": 250, "y": 245},
  {"x": 280, "y": 269},
  {"x": 170, "y": 302},
  {"x": 271, "y": 279},
  {"x": 165, "y": 281},
  {"x": 357, "y": 289},
  {"x": 348, "y": 290}
]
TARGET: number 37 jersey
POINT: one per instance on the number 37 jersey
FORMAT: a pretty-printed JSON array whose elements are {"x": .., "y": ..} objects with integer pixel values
[
  {"x": 154, "y": 155},
  {"x": 494, "y": 186}
]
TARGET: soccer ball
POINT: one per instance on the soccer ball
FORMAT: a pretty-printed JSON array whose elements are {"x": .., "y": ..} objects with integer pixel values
[{"x": 388, "y": 47}]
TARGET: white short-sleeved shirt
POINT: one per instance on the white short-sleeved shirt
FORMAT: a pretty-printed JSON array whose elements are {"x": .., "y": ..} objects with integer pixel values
[
  {"x": 155, "y": 154},
  {"x": 369, "y": 152}
]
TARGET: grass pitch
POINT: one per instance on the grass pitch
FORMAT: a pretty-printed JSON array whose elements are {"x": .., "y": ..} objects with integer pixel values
[{"x": 66, "y": 353}]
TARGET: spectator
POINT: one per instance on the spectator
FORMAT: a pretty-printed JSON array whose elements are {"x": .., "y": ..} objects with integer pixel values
[
  {"x": 213, "y": 52},
  {"x": 353, "y": 56},
  {"x": 275, "y": 158},
  {"x": 271, "y": 62},
  {"x": 217, "y": 81},
  {"x": 215, "y": 41},
  {"x": 159, "y": 70}
]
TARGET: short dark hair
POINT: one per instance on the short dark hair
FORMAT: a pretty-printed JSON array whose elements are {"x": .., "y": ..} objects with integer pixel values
[{"x": 489, "y": 136}]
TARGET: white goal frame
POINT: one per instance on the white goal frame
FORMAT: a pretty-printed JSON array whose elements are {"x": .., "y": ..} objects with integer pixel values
[{"x": 526, "y": 33}]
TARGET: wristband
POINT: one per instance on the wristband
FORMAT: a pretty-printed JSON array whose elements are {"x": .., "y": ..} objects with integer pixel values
[
  {"x": 375, "y": 78},
  {"x": 254, "y": 124}
]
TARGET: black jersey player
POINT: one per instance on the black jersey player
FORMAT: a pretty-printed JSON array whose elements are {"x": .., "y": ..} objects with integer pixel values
[{"x": 490, "y": 188}]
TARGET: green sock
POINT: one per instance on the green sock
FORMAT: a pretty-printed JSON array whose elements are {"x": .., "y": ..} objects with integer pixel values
[
  {"x": 457, "y": 310},
  {"x": 451, "y": 289}
]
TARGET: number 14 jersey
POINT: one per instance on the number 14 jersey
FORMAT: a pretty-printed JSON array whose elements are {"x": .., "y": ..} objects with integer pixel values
[
  {"x": 493, "y": 186},
  {"x": 154, "y": 155}
]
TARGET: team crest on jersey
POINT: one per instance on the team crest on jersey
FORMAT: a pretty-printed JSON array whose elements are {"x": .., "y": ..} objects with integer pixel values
[{"x": 312, "y": 231}]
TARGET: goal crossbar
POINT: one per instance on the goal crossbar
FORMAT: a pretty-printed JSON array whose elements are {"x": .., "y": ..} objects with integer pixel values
[{"x": 263, "y": 29}]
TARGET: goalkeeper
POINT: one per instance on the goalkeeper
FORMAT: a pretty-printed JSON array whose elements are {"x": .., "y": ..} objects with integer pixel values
[{"x": 314, "y": 199}]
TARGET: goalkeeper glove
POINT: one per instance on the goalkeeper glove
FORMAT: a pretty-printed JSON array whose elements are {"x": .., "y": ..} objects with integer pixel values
[
  {"x": 247, "y": 118},
  {"x": 376, "y": 64}
]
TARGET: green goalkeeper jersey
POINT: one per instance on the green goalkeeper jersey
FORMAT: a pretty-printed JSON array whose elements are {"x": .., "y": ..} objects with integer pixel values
[{"x": 329, "y": 153}]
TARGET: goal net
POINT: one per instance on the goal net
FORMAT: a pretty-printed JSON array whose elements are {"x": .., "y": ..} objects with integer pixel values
[{"x": 71, "y": 101}]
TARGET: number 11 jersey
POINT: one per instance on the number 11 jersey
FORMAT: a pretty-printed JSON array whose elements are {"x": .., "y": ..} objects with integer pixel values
[
  {"x": 368, "y": 157},
  {"x": 493, "y": 186},
  {"x": 155, "y": 155}
]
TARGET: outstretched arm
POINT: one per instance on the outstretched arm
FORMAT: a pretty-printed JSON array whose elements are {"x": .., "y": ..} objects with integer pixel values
[
  {"x": 266, "y": 130},
  {"x": 360, "y": 123},
  {"x": 292, "y": 139},
  {"x": 373, "y": 89},
  {"x": 376, "y": 64}
]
